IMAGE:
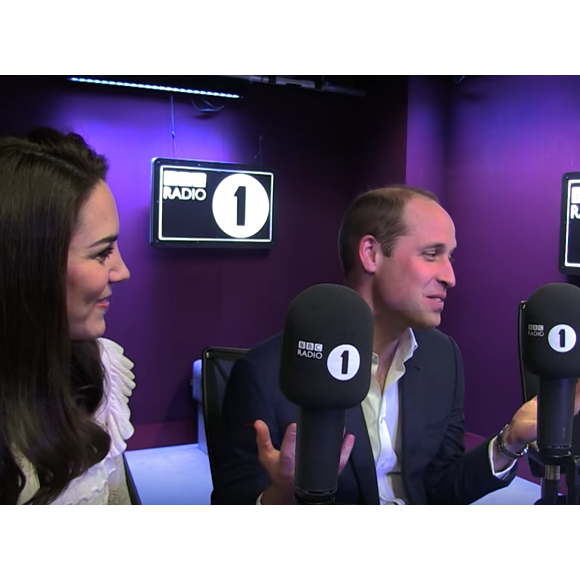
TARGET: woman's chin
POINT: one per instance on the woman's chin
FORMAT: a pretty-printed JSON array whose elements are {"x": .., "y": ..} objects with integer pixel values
[{"x": 88, "y": 332}]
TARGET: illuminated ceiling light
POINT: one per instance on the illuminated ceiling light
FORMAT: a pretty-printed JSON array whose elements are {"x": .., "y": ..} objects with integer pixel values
[{"x": 155, "y": 87}]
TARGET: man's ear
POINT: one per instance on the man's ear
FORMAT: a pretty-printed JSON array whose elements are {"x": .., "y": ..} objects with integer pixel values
[{"x": 369, "y": 252}]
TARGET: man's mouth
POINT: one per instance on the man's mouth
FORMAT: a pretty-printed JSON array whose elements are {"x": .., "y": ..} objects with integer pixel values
[{"x": 439, "y": 297}]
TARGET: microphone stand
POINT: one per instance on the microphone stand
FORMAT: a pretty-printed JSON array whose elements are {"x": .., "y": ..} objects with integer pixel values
[
  {"x": 554, "y": 444},
  {"x": 553, "y": 467},
  {"x": 550, "y": 486}
]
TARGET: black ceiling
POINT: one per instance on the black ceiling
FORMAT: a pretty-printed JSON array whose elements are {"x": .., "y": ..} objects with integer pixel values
[
  {"x": 364, "y": 82},
  {"x": 354, "y": 85}
]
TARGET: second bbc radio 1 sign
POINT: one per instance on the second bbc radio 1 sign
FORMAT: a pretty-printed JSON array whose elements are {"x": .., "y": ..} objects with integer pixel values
[
  {"x": 570, "y": 224},
  {"x": 207, "y": 204}
]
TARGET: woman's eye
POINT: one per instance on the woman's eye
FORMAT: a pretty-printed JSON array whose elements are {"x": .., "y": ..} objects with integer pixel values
[{"x": 102, "y": 256}]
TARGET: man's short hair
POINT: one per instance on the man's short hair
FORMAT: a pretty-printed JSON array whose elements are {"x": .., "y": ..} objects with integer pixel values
[{"x": 379, "y": 213}]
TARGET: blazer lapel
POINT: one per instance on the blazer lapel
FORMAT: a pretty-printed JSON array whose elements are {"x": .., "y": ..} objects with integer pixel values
[
  {"x": 412, "y": 404},
  {"x": 361, "y": 457}
]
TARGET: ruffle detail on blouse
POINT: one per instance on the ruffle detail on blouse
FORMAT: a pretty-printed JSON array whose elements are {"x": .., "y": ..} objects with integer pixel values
[
  {"x": 114, "y": 416},
  {"x": 114, "y": 413}
]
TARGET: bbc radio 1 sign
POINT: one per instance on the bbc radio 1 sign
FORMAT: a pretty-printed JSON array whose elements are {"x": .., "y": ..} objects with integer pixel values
[
  {"x": 197, "y": 203},
  {"x": 570, "y": 224}
]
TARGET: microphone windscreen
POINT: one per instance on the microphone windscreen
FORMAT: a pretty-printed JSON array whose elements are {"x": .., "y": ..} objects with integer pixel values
[
  {"x": 327, "y": 348},
  {"x": 551, "y": 325}
]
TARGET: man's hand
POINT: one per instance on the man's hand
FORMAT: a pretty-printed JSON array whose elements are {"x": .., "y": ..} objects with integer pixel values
[
  {"x": 280, "y": 463},
  {"x": 523, "y": 429}
]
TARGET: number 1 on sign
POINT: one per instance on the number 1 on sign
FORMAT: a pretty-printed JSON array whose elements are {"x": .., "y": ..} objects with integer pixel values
[{"x": 240, "y": 195}]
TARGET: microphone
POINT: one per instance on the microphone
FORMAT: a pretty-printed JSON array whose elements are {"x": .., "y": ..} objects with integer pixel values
[
  {"x": 551, "y": 324},
  {"x": 325, "y": 369}
]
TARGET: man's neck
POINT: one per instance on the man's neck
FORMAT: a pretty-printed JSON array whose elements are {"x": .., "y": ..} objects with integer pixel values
[
  {"x": 388, "y": 330},
  {"x": 386, "y": 334},
  {"x": 385, "y": 345}
]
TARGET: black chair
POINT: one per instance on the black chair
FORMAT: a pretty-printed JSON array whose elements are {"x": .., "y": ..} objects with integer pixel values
[
  {"x": 216, "y": 366},
  {"x": 530, "y": 386}
]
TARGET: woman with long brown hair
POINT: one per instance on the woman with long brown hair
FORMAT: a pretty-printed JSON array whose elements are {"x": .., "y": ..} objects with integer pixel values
[{"x": 64, "y": 390}]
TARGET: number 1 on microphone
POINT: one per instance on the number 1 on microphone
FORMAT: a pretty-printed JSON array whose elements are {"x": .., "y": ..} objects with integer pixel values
[
  {"x": 344, "y": 357},
  {"x": 343, "y": 362}
]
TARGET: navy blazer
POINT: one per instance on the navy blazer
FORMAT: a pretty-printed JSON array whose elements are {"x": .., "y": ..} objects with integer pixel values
[{"x": 435, "y": 467}]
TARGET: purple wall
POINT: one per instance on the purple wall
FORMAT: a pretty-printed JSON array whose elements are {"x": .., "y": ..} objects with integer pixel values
[
  {"x": 510, "y": 139},
  {"x": 179, "y": 302},
  {"x": 381, "y": 135},
  {"x": 427, "y": 134}
]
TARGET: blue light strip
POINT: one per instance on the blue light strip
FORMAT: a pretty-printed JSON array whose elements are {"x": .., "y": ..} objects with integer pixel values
[{"x": 155, "y": 88}]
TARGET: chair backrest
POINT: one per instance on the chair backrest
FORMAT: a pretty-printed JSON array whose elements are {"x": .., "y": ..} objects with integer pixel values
[
  {"x": 216, "y": 366},
  {"x": 530, "y": 386}
]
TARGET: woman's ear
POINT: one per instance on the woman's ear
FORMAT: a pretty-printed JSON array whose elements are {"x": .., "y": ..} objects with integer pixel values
[{"x": 368, "y": 253}]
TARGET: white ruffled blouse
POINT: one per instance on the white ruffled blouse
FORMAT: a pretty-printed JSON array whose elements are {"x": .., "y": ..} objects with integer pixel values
[{"x": 105, "y": 482}]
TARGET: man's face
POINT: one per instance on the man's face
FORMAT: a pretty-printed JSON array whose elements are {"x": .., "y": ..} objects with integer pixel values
[{"x": 410, "y": 286}]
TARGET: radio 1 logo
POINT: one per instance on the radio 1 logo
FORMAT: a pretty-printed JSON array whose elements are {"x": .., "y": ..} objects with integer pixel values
[
  {"x": 239, "y": 201},
  {"x": 574, "y": 201},
  {"x": 184, "y": 185}
]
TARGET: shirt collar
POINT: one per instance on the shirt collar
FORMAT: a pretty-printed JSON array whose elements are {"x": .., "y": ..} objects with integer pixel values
[{"x": 405, "y": 349}]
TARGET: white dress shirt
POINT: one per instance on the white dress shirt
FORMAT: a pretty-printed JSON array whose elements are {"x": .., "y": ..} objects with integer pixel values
[{"x": 381, "y": 413}]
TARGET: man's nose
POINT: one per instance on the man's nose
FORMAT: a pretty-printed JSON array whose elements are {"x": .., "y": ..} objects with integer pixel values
[{"x": 447, "y": 275}]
